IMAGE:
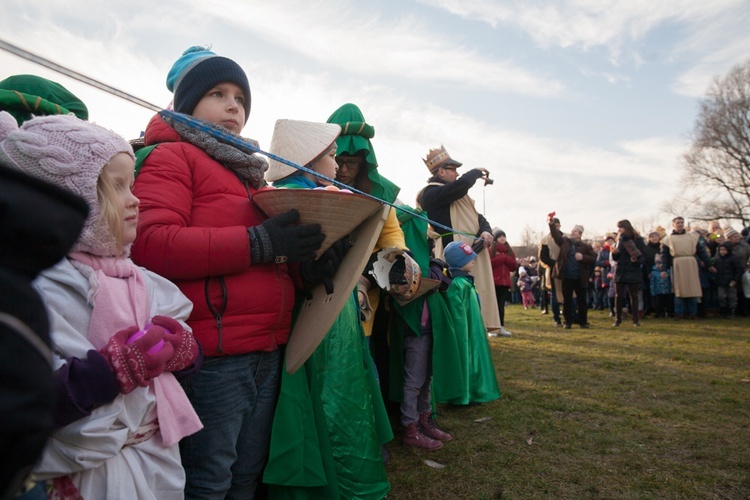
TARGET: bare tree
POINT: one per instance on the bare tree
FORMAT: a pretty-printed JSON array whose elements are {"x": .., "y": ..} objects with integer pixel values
[
  {"x": 718, "y": 162},
  {"x": 529, "y": 244}
]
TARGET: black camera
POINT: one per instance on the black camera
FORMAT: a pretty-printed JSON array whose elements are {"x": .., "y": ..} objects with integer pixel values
[{"x": 488, "y": 181}]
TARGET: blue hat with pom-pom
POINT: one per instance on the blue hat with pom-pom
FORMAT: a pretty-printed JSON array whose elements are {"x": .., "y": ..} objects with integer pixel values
[{"x": 197, "y": 71}]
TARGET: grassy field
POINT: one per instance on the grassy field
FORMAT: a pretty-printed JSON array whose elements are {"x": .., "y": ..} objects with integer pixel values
[{"x": 660, "y": 411}]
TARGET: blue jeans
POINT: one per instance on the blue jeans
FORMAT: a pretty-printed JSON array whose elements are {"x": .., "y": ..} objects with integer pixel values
[
  {"x": 235, "y": 397},
  {"x": 683, "y": 303}
]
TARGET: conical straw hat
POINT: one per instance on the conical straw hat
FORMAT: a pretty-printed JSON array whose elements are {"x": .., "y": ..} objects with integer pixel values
[
  {"x": 337, "y": 212},
  {"x": 319, "y": 310},
  {"x": 299, "y": 142}
]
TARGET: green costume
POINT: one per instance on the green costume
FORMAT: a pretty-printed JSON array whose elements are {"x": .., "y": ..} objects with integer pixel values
[
  {"x": 25, "y": 95},
  {"x": 447, "y": 379},
  {"x": 330, "y": 419},
  {"x": 355, "y": 136},
  {"x": 480, "y": 381}
]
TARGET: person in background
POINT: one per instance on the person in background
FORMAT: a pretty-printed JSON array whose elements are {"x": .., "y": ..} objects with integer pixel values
[
  {"x": 601, "y": 285},
  {"x": 479, "y": 372},
  {"x": 503, "y": 260},
  {"x": 446, "y": 200},
  {"x": 715, "y": 232},
  {"x": 661, "y": 290},
  {"x": 573, "y": 267},
  {"x": 741, "y": 250},
  {"x": 628, "y": 254},
  {"x": 650, "y": 250},
  {"x": 603, "y": 261},
  {"x": 533, "y": 270},
  {"x": 708, "y": 302},
  {"x": 728, "y": 278},
  {"x": 597, "y": 245},
  {"x": 98, "y": 300},
  {"x": 200, "y": 228},
  {"x": 549, "y": 252},
  {"x": 524, "y": 285},
  {"x": 680, "y": 252}
]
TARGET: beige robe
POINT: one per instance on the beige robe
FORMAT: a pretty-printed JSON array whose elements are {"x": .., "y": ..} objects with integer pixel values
[
  {"x": 554, "y": 253},
  {"x": 465, "y": 218},
  {"x": 686, "y": 281}
]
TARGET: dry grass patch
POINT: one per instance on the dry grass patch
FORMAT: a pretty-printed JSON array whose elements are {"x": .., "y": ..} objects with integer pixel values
[{"x": 660, "y": 411}]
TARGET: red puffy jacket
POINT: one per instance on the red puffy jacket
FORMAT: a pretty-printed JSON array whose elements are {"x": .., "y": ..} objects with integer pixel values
[
  {"x": 503, "y": 263},
  {"x": 192, "y": 229}
]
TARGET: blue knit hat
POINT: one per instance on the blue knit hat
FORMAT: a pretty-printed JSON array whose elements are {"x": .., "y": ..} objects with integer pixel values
[
  {"x": 196, "y": 72},
  {"x": 457, "y": 254}
]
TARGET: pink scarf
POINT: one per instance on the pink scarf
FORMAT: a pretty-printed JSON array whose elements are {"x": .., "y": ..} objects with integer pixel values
[{"x": 119, "y": 296}]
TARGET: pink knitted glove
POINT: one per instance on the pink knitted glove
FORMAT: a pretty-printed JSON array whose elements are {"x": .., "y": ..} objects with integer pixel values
[
  {"x": 185, "y": 347},
  {"x": 133, "y": 364}
]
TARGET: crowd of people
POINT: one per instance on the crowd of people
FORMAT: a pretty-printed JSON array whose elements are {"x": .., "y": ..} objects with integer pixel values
[
  {"x": 690, "y": 273},
  {"x": 159, "y": 300}
]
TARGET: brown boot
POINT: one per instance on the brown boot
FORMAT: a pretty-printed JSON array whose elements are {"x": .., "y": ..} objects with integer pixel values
[
  {"x": 431, "y": 429},
  {"x": 413, "y": 437}
]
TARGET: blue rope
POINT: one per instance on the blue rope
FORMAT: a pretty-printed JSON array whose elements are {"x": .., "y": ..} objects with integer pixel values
[{"x": 239, "y": 143}]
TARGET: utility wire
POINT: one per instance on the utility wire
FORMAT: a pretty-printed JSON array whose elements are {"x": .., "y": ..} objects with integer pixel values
[{"x": 76, "y": 76}]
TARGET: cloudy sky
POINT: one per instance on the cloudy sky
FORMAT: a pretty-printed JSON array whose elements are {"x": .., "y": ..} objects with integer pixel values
[{"x": 579, "y": 106}]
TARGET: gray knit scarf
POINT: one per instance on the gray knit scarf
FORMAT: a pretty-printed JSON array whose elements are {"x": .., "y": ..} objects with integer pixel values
[{"x": 248, "y": 166}]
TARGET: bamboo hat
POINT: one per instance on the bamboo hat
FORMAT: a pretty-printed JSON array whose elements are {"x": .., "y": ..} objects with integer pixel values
[
  {"x": 299, "y": 142},
  {"x": 337, "y": 212}
]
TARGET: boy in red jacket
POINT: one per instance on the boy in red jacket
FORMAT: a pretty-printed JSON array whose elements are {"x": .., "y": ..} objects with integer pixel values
[{"x": 200, "y": 228}]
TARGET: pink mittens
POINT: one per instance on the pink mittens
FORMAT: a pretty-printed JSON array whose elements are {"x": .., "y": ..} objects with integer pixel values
[
  {"x": 185, "y": 347},
  {"x": 135, "y": 364}
]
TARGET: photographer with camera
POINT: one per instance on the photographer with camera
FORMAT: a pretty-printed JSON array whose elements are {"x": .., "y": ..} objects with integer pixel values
[{"x": 446, "y": 201}]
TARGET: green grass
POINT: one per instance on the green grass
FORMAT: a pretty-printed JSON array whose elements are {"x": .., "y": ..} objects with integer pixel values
[{"x": 660, "y": 411}]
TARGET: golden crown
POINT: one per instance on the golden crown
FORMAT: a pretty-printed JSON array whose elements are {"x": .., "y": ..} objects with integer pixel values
[{"x": 435, "y": 157}]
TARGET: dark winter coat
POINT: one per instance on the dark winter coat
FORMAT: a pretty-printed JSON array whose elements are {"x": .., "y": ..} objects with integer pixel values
[
  {"x": 586, "y": 264},
  {"x": 628, "y": 268},
  {"x": 437, "y": 197},
  {"x": 728, "y": 267},
  {"x": 650, "y": 251},
  {"x": 39, "y": 224}
]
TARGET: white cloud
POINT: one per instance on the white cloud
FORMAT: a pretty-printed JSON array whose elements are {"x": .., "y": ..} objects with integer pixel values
[
  {"x": 713, "y": 35},
  {"x": 720, "y": 44},
  {"x": 358, "y": 40},
  {"x": 586, "y": 23},
  {"x": 340, "y": 58}
]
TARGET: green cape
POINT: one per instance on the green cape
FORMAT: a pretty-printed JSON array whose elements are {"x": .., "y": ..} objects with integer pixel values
[
  {"x": 330, "y": 419},
  {"x": 480, "y": 381}
]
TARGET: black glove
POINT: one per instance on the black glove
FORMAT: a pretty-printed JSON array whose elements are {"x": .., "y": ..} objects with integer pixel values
[
  {"x": 478, "y": 245},
  {"x": 323, "y": 269},
  {"x": 277, "y": 239}
]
